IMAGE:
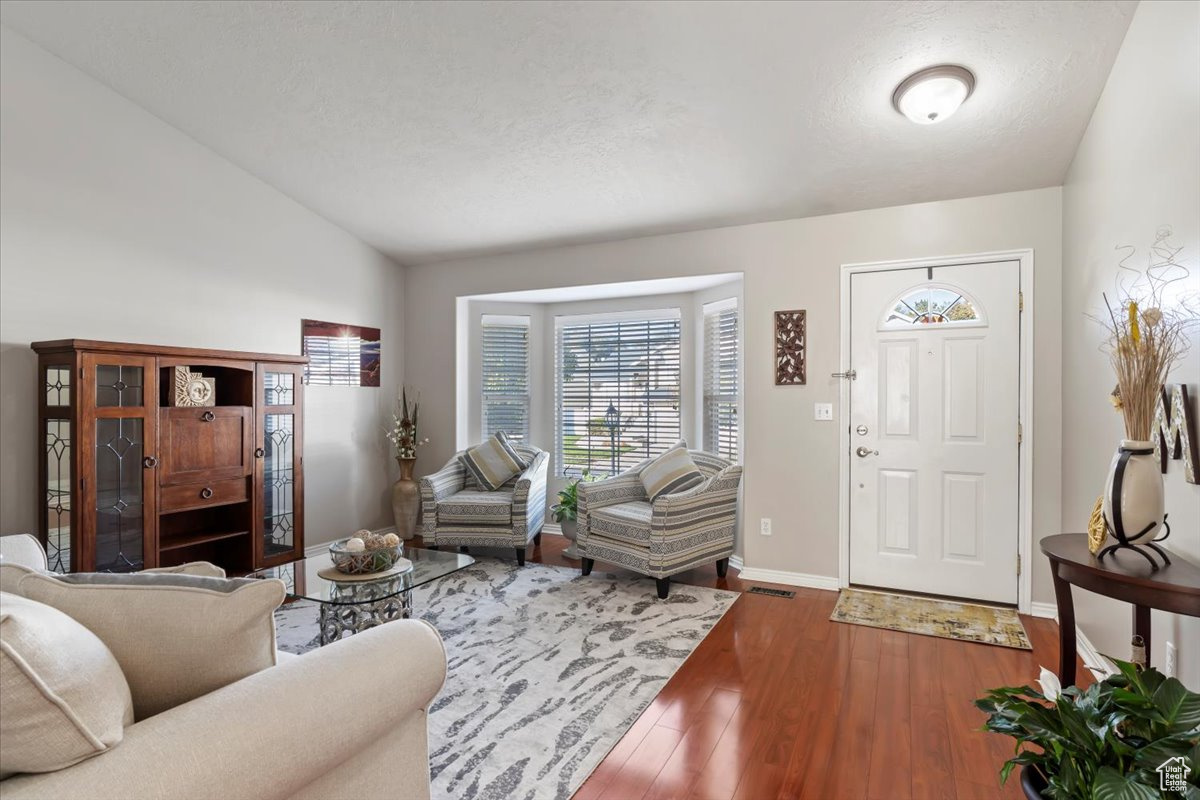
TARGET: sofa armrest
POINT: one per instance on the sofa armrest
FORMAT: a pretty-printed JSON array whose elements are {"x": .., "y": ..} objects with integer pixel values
[
  {"x": 23, "y": 549},
  {"x": 270, "y": 735},
  {"x": 622, "y": 488},
  {"x": 436, "y": 488},
  {"x": 717, "y": 494},
  {"x": 529, "y": 497}
]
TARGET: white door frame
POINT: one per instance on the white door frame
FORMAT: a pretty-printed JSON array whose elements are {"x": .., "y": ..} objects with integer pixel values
[{"x": 1025, "y": 449}]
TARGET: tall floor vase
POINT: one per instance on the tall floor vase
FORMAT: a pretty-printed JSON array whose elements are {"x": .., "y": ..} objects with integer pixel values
[{"x": 406, "y": 499}]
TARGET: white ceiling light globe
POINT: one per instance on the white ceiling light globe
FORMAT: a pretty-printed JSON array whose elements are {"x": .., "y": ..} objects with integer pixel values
[{"x": 933, "y": 94}]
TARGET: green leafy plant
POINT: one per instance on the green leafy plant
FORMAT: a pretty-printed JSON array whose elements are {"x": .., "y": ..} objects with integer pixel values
[
  {"x": 1104, "y": 742},
  {"x": 567, "y": 507}
]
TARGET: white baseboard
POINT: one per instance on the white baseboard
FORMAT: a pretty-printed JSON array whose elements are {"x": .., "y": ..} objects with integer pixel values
[
  {"x": 789, "y": 578},
  {"x": 552, "y": 527},
  {"x": 1096, "y": 664},
  {"x": 1043, "y": 610},
  {"x": 736, "y": 563}
]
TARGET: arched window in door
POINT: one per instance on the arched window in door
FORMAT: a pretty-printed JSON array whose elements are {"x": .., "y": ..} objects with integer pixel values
[{"x": 933, "y": 304}]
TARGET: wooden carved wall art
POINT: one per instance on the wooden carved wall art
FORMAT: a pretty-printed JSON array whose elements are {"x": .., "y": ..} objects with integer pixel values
[
  {"x": 1174, "y": 431},
  {"x": 193, "y": 389},
  {"x": 790, "y": 342}
]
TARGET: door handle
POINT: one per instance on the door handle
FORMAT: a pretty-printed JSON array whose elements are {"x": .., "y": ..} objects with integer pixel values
[
  {"x": 208, "y": 416},
  {"x": 259, "y": 452},
  {"x": 863, "y": 452},
  {"x": 149, "y": 462}
]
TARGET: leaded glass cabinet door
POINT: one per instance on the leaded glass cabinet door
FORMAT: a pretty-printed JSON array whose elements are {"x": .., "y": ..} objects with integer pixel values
[
  {"x": 278, "y": 468},
  {"x": 57, "y": 481},
  {"x": 118, "y": 396}
]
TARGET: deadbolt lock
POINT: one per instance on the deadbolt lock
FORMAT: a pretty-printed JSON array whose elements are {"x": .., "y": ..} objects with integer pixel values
[{"x": 861, "y": 430}]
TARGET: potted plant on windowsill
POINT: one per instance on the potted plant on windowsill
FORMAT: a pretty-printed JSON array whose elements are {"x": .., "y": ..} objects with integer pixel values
[
  {"x": 566, "y": 512},
  {"x": 1115, "y": 740}
]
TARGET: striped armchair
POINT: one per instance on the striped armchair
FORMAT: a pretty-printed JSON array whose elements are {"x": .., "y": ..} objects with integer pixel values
[
  {"x": 455, "y": 510},
  {"x": 618, "y": 524}
]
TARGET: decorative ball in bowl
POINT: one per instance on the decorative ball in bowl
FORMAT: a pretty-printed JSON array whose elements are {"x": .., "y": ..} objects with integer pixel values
[{"x": 365, "y": 552}]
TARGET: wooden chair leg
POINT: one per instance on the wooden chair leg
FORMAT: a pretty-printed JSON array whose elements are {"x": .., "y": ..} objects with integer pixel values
[
  {"x": 585, "y": 565},
  {"x": 520, "y": 556},
  {"x": 537, "y": 538},
  {"x": 722, "y": 567},
  {"x": 462, "y": 548},
  {"x": 664, "y": 587}
]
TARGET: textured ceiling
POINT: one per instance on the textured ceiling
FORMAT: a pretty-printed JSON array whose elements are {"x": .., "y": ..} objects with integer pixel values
[{"x": 434, "y": 130}]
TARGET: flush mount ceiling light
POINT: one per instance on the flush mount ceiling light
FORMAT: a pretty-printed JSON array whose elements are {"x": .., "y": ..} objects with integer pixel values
[{"x": 933, "y": 94}]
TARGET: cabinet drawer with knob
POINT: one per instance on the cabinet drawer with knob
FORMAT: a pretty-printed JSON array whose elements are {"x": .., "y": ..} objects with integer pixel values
[
  {"x": 204, "y": 444},
  {"x": 188, "y": 496}
]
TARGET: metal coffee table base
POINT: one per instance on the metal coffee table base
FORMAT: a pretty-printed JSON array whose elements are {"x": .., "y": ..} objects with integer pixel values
[{"x": 338, "y": 620}]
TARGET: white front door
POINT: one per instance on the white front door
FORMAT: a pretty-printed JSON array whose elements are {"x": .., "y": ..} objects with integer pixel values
[{"x": 934, "y": 416}]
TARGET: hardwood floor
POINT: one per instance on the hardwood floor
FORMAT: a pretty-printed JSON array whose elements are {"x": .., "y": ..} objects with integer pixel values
[{"x": 780, "y": 702}]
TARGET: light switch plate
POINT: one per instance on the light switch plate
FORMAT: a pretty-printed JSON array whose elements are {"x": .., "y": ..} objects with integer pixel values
[{"x": 823, "y": 412}]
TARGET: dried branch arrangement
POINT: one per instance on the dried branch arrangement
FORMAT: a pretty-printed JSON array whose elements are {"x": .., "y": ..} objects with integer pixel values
[
  {"x": 1149, "y": 323},
  {"x": 403, "y": 433}
]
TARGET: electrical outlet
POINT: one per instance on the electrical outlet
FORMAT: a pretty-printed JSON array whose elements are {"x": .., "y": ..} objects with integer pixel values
[
  {"x": 823, "y": 411},
  {"x": 765, "y": 526},
  {"x": 1170, "y": 666}
]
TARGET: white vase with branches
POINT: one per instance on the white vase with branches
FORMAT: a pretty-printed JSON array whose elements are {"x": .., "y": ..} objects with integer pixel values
[{"x": 1148, "y": 322}]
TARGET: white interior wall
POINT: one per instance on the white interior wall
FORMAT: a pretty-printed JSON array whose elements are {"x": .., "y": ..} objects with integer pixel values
[
  {"x": 1137, "y": 168},
  {"x": 114, "y": 225}
]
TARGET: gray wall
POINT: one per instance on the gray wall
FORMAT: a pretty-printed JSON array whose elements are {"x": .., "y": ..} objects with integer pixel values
[
  {"x": 114, "y": 225},
  {"x": 1137, "y": 168}
]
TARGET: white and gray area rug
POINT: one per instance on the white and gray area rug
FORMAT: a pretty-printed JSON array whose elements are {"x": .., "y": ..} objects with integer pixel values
[{"x": 547, "y": 670}]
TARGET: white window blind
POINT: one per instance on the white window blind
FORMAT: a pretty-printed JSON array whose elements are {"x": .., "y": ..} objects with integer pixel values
[
  {"x": 506, "y": 376},
  {"x": 629, "y": 364},
  {"x": 721, "y": 368}
]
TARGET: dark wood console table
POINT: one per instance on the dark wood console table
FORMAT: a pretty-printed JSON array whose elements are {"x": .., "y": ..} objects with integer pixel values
[{"x": 1122, "y": 576}]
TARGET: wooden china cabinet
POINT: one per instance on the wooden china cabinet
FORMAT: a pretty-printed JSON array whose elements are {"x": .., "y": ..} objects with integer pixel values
[{"x": 128, "y": 480}]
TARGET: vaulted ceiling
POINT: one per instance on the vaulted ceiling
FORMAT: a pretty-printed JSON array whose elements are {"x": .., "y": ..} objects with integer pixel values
[{"x": 436, "y": 130}]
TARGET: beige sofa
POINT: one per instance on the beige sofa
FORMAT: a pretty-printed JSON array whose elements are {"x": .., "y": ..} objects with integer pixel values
[{"x": 344, "y": 721}]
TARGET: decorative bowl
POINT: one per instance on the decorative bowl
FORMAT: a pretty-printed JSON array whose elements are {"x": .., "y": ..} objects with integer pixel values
[{"x": 363, "y": 562}]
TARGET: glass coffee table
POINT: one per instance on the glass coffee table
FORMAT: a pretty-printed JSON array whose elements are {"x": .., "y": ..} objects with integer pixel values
[{"x": 348, "y": 607}]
